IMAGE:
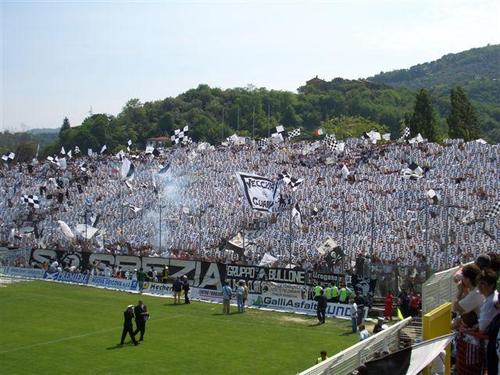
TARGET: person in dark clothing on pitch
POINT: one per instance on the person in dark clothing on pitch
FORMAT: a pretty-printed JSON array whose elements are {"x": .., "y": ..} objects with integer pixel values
[
  {"x": 321, "y": 309},
  {"x": 141, "y": 316},
  {"x": 185, "y": 287},
  {"x": 128, "y": 315}
]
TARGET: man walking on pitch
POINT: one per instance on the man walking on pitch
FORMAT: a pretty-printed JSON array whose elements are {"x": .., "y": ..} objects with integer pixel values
[
  {"x": 141, "y": 316},
  {"x": 185, "y": 287},
  {"x": 321, "y": 309},
  {"x": 226, "y": 298},
  {"x": 128, "y": 315}
]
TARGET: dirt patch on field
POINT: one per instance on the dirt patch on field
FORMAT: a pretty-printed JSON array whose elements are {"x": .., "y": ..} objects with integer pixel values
[
  {"x": 4, "y": 281},
  {"x": 294, "y": 319}
]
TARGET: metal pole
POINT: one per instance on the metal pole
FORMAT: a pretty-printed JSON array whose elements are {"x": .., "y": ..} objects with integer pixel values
[
  {"x": 343, "y": 229},
  {"x": 446, "y": 233},
  {"x": 199, "y": 225},
  {"x": 372, "y": 238},
  {"x": 159, "y": 245},
  {"x": 426, "y": 226},
  {"x": 291, "y": 230}
]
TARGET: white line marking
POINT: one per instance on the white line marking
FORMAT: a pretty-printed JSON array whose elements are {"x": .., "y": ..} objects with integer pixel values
[{"x": 72, "y": 337}]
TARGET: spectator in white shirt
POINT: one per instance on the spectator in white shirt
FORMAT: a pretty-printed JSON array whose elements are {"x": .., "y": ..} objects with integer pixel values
[
  {"x": 363, "y": 333},
  {"x": 487, "y": 287},
  {"x": 469, "y": 306}
]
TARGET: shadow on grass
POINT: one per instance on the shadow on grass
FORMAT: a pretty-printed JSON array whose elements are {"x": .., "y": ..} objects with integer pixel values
[
  {"x": 317, "y": 324},
  {"x": 118, "y": 346},
  {"x": 222, "y": 314},
  {"x": 348, "y": 333}
]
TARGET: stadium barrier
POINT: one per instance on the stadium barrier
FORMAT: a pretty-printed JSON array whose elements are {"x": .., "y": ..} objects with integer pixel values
[
  {"x": 264, "y": 301},
  {"x": 437, "y": 323},
  {"x": 439, "y": 289},
  {"x": 348, "y": 360}
]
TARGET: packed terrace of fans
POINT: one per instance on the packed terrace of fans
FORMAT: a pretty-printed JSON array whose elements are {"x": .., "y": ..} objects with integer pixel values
[{"x": 374, "y": 210}]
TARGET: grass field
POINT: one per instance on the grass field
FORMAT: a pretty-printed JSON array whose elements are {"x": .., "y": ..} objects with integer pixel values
[{"x": 50, "y": 328}]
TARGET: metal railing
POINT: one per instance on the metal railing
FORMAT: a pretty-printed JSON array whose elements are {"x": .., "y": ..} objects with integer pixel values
[{"x": 351, "y": 358}]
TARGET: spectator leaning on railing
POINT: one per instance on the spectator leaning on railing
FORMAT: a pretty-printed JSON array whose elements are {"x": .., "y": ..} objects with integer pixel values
[
  {"x": 487, "y": 287},
  {"x": 469, "y": 306}
]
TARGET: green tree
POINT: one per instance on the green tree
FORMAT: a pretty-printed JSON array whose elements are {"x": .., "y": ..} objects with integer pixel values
[
  {"x": 25, "y": 151},
  {"x": 424, "y": 119},
  {"x": 462, "y": 120}
]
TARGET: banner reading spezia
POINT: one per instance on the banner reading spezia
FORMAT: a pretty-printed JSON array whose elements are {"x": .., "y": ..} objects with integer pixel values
[{"x": 260, "y": 192}]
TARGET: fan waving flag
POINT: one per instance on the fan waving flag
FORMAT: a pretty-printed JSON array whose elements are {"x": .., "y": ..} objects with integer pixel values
[
  {"x": 296, "y": 215},
  {"x": 294, "y": 183},
  {"x": 8, "y": 157},
  {"x": 294, "y": 133},
  {"x": 260, "y": 192},
  {"x": 493, "y": 210},
  {"x": 180, "y": 136},
  {"x": 127, "y": 170},
  {"x": 31, "y": 200}
]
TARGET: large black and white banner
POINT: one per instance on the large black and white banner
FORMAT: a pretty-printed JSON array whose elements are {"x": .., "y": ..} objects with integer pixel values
[
  {"x": 207, "y": 275},
  {"x": 260, "y": 192}
]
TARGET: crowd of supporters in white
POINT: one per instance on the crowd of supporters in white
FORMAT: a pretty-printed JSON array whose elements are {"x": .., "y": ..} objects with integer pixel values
[{"x": 374, "y": 210}]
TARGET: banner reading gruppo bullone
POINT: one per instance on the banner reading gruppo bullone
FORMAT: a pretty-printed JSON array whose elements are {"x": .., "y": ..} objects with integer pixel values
[{"x": 206, "y": 275}]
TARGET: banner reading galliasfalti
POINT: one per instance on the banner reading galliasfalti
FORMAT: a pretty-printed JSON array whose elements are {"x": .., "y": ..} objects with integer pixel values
[{"x": 260, "y": 192}]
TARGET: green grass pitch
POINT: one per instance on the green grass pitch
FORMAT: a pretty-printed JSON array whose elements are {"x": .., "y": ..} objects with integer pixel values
[{"x": 51, "y": 328}]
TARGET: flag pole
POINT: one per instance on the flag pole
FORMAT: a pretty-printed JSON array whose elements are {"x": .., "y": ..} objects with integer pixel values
[
  {"x": 291, "y": 229},
  {"x": 159, "y": 244}
]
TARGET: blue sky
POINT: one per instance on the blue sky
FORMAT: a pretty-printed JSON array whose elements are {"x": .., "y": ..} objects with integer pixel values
[{"x": 60, "y": 58}]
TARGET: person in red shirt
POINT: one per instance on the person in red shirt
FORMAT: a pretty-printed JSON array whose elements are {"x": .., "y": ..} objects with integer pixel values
[
  {"x": 414, "y": 304},
  {"x": 389, "y": 300}
]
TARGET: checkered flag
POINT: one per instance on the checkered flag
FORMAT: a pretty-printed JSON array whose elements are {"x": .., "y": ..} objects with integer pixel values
[
  {"x": 294, "y": 133},
  {"x": 180, "y": 136},
  {"x": 129, "y": 143},
  {"x": 289, "y": 180},
  {"x": 405, "y": 134},
  {"x": 31, "y": 200},
  {"x": 263, "y": 142},
  {"x": 331, "y": 142},
  {"x": 493, "y": 210},
  {"x": 8, "y": 157}
]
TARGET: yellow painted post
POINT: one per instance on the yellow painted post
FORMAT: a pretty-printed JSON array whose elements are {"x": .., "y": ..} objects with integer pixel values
[{"x": 438, "y": 323}]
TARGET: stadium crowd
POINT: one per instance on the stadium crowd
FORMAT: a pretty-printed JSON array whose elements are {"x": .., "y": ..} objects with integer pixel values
[{"x": 375, "y": 209}]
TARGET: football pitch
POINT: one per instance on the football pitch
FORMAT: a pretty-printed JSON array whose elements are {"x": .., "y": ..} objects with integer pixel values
[{"x": 52, "y": 328}]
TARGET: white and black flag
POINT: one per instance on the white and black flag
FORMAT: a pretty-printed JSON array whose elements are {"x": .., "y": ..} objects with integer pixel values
[
  {"x": 180, "y": 136},
  {"x": 294, "y": 183},
  {"x": 296, "y": 216},
  {"x": 8, "y": 157},
  {"x": 31, "y": 200},
  {"x": 260, "y": 192},
  {"x": 493, "y": 211},
  {"x": 411, "y": 360},
  {"x": 127, "y": 170},
  {"x": 405, "y": 134},
  {"x": 294, "y": 133}
]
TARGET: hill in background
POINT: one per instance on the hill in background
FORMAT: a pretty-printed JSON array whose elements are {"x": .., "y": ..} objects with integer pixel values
[
  {"x": 345, "y": 107},
  {"x": 476, "y": 70}
]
